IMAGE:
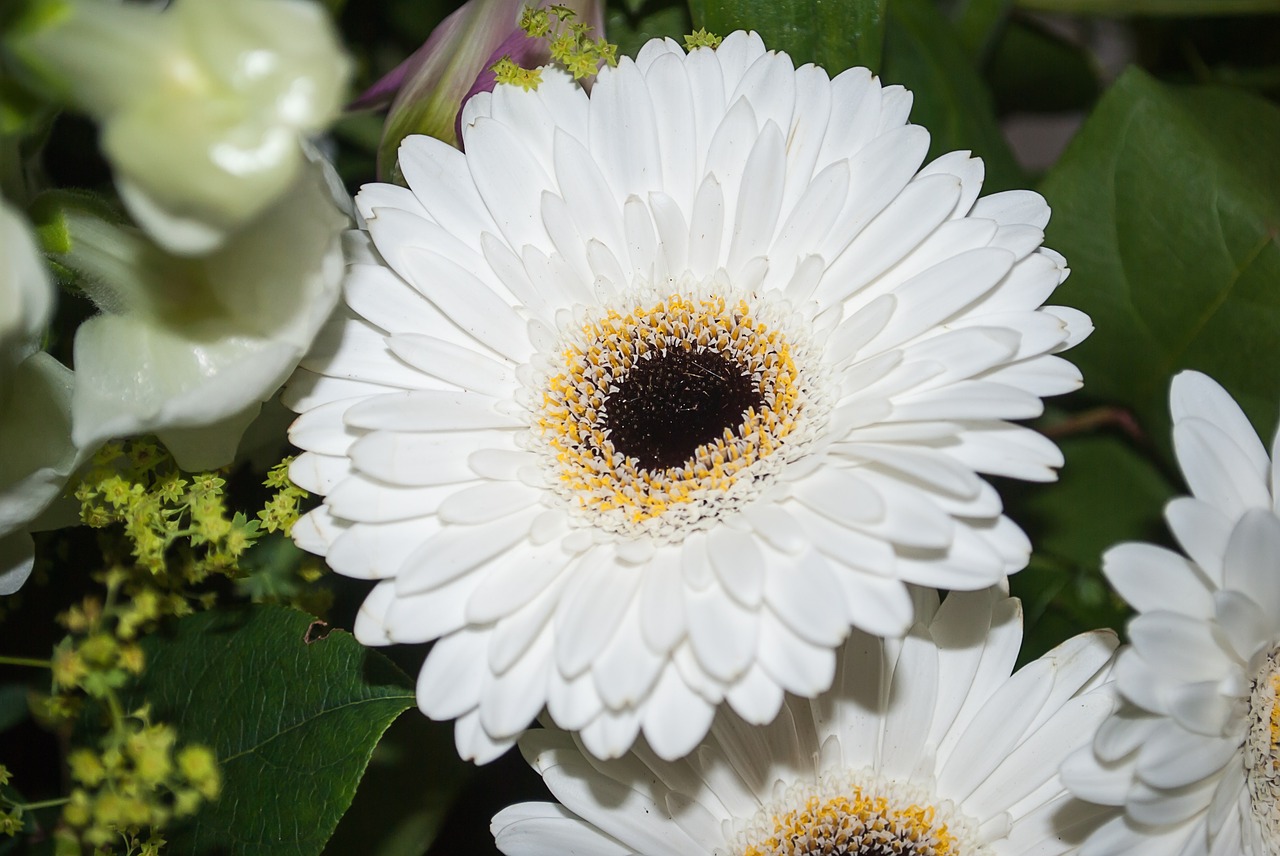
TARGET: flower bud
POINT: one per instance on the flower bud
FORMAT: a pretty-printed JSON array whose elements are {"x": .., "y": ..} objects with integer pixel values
[{"x": 426, "y": 92}]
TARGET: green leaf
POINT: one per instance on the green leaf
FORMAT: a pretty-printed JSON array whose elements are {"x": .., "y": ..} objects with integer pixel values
[
  {"x": 1152, "y": 7},
  {"x": 630, "y": 30},
  {"x": 292, "y": 713},
  {"x": 1167, "y": 207},
  {"x": 923, "y": 53},
  {"x": 1109, "y": 491},
  {"x": 1034, "y": 69},
  {"x": 978, "y": 23},
  {"x": 835, "y": 34}
]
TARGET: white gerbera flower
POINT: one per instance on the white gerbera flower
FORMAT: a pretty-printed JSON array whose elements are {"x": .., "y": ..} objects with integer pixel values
[
  {"x": 650, "y": 394},
  {"x": 1194, "y": 757},
  {"x": 925, "y": 746}
]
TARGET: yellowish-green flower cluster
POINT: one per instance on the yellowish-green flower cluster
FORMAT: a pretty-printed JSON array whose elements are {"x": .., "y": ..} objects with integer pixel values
[
  {"x": 507, "y": 71},
  {"x": 164, "y": 532},
  {"x": 138, "y": 486},
  {"x": 177, "y": 531},
  {"x": 569, "y": 42},
  {"x": 281, "y": 511},
  {"x": 10, "y": 812},
  {"x": 700, "y": 38},
  {"x": 137, "y": 779}
]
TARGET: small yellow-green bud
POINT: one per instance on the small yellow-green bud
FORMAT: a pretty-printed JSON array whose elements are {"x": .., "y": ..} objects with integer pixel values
[
  {"x": 200, "y": 767},
  {"x": 700, "y": 38},
  {"x": 100, "y": 649},
  {"x": 108, "y": 809},
  {"x": 11, "y": 822},
  {"x": 278, "y": 476},
  {"x": 68, "y": 667},
  {"x": 132, "y": 659},
  {"x": 77, "y": 812},
  {"x": 535, "y": 22},
  {"x": 506, "y": 71},
  {"x": 150, "y": 750},
  {"x": 186, "y": 801},
  {"x": 86, "y": 768}
]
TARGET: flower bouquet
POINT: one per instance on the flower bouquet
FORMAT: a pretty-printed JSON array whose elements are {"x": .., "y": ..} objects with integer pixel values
[{"x": 639, "y": 428}]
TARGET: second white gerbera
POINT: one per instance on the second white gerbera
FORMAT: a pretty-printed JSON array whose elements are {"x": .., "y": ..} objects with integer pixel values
[
  {"x": 1194, "y": 755},
  {"x": 926, "y": 746},
  {"x": 651, "y": 394}
]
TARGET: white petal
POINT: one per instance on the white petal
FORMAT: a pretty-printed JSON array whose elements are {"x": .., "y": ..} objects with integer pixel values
[
  {"x": 589, "y": 617},
  {"x": 1151, "y": 578},
  {"x": 547, "y": 829},
  {"x": 722, "y": 633},
  {"x": 427, "y": 410},
  {"x": 455, "y": 550},
  {"x": 1218, "y": 471},
  {"x": 738, "y": 563},
  {"x": 675, "y": 718},
  {"x": 449, "y": 685},
  {"x": 1249, "y": 565},
  {"x": 796, "y": 665}
]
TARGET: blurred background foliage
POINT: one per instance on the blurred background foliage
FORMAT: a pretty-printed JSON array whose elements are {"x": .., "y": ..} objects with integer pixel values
[{"x": 1151, "y": 126}]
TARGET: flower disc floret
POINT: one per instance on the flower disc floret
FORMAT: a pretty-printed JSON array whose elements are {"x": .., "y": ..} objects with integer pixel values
[
  {"x": 857, "y": 812},
  {"x": 1262, "y": 749},
  {"x": 660, "y": 415}
]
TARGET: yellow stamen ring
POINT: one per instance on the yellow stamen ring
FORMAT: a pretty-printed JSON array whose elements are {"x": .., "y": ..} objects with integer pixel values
[
  {"x": 571, "y": 420},
  {"x": 856, "y": 823},
  {"x": 1262, "y": 750}
]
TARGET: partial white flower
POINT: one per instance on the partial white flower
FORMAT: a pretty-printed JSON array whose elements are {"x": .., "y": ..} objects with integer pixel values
[
  {"x": 35, "y": 400},
  {"x": 647, "y": 397},
  {"x": 925, "y": 746},
  {"x": 202, "y": 102},
  {"x": 1194, "y": 755},
  {"x": 189, "y": 348}
]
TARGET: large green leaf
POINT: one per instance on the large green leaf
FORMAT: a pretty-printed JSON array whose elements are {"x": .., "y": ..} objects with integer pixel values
[
  {"x": 923, "y": 52},
  {"x": 835, "y": 34},
  {"x": 1167, "y": 207},
  {"x": 292, "y": 713}
]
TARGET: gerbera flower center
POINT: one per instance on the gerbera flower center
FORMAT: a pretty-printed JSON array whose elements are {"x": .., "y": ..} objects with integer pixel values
[
  {"x": 1262, "y": 751},
  {"x": 858, "y": 815},
  {"x": 663, "y": 410},
  {"x": 673, "y": 401}
]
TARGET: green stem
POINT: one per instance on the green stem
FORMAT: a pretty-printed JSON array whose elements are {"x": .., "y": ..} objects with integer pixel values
[
  {"x": 54, "y": 803},
  {"x": 25, "y": 661}
]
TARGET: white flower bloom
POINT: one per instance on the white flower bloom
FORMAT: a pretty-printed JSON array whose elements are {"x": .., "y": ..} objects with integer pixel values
[
  {"x": 35, "y": 399},
  {"x": 189, "y": 349},
  {"x": 202, "y": 102},
  {"x": 925, "y": 746},
  {"x": 1194, "y": 756},
  {"x": 650, "y": 394}
]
